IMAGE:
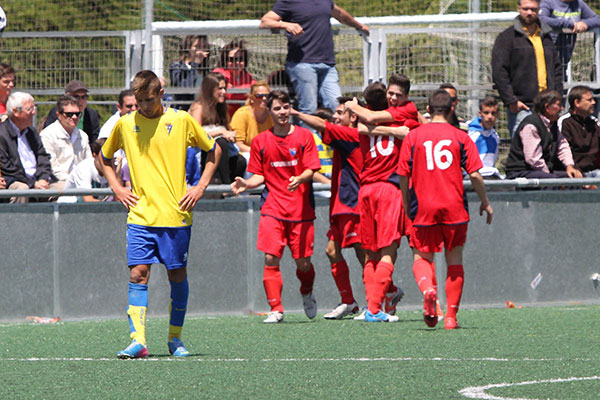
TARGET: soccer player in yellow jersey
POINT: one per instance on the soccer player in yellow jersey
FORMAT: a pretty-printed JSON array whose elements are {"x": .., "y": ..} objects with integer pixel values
[{"x": 160, "y": 205}]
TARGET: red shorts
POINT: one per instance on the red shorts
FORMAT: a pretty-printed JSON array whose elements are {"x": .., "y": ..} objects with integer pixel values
[
  {"x": 344, "y": 229},
  {"x": 382, "y": 217},
  {"x": 429, "y": 239},
  {"x": 274, "y": 235}
]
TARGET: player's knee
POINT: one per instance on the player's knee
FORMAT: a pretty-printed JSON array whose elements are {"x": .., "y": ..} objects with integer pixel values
[
  {"x": 303, "y": 264},
  {"x": 139, "y": 275},
  {"x": 271, "y": 260}
]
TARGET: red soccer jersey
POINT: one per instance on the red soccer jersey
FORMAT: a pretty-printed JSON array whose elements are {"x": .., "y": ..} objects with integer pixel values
[
  {"x": 277, "y": 159},
  {"x": 347, "y": 165},
  {"x": 381, "y": 153},
  {"x": 433, "y": 156}
]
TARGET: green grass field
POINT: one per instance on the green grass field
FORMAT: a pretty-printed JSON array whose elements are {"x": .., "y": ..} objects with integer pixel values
[{"x": 528, "y": 353}]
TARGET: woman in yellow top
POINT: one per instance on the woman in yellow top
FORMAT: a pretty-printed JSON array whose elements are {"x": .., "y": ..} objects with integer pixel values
[{"x": 253, "y": 118}]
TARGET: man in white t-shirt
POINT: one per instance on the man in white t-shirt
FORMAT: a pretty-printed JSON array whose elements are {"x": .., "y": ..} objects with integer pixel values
[{"x": 87, "y": 175}]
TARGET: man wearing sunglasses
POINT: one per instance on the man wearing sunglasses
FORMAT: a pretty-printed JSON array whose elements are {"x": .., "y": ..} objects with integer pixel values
[
  {"x": 90, "y": 120},
  {"x": 66, "y": 144}
]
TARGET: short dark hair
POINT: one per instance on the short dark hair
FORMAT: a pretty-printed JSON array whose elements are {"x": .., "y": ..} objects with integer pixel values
[
  {"x": 235, "y": 44},
  {"x": 488, "y": 101},
  {"x": 544, "y": 98},
  {"x": 537, "y": 1},
  {"x": 6, "y": 69},
  {"x": 146, "y": 81},
  {"x": 324, "y": 113},
  {"x": 277, "y": 95},
  {"x": 576, "y": 93},
  {"x": 400, "y": 80},
  {"x": 375, "y": 96},
  {"x": 65, "y": 100},
  {"x": 448, "y": 85},
  {"x": 97, "y": 145},
  {"x": 345, "y": 99},
  {"x": 123, "y": 94},
  {"x": 440, "y": 103}
]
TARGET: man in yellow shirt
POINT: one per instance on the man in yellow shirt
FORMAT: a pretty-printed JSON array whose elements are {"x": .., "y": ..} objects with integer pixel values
[{"x": 160, "y": 205}]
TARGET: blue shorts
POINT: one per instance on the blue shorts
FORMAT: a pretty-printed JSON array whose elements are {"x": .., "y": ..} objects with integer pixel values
[{"x": 150, "y": 245}]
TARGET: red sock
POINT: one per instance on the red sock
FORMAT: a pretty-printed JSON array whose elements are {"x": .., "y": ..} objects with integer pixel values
[
  {"x": 341, "y": 276},
  {"x": 433, "y": 276},
  {"x": 383, "y": 277},
  {"x": 422, "y": 269},
  {"x": 454, "y": 287},
  {"x": 273, "y": 284},
  {"x": 369, "y": 279},
  {"x": 307, "y": 279}
]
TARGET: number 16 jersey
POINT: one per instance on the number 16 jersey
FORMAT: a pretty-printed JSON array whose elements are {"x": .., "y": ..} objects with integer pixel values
[{"x": 434, "y": 155}]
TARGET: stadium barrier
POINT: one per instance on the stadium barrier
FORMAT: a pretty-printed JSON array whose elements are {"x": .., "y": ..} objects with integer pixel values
[{"x": 69, "y": 260}]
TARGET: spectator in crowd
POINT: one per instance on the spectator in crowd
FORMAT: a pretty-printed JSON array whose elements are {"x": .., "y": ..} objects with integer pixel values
[
  {"x": 253, "y": 118},
  {"x": 454, "y": 119},
  {"x": 481, "y": 131},
  {"x": 190, "y": 67},
  {"x": 167, "y": 98},
  {"x": 210, "y": 110},
  {"x": 125, "y": 104},
  {"x": 284, "y": 159},
  {"x": 567, "y": 18},
  {"x": 538, "y": 142},
  {"x": 581, "y": 130},
  {"x": 325, "y": 151},
  {"x": 524, "y": 63},
  {"x": 310, "y": 62},
  {"x": 23, "y": 159},
  {"x": 87, "y": 174},
  {"x": 7, "y": 83},
  {"x": 232, "y": 64},
  {"x": 89, "y": 122},
  {"x": 66, "y": 144}
]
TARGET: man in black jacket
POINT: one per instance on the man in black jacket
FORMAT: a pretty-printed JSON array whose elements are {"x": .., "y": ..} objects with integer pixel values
[
  {"x": 516, "y": 72},
  {"x": 24, "y": 162},
  {"x": 90, "y": 122}
]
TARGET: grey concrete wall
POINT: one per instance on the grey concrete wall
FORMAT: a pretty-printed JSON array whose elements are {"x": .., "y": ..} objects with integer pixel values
[{"x": 69, "y": 260}]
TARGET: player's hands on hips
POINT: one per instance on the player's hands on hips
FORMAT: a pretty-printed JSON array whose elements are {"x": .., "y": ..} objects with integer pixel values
[
  {"x": 487, "y": 208},
  {"x": 573, "y": 172},
  {"x": 125, "y": 196},
  {"x": 239, "y": 185},
  {"x": 191, "y": 197},
  {"x": 295, "y": 181}
]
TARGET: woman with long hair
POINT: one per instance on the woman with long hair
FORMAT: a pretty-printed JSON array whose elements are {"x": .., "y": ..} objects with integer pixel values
[
  {"x": 210, "y": 110},
  {"x": 253, "y": 118},
  {"x": 191, "y": 66}
]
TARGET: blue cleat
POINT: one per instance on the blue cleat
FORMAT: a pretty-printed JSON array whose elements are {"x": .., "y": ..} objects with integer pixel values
[
  {"x": 134, "y": 350},
  {"x": 380, "y": 317},
  {"x": 177, "y": 349}
]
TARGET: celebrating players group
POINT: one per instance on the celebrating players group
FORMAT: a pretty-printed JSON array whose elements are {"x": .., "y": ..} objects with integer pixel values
[{"x": 395, "y": 174}]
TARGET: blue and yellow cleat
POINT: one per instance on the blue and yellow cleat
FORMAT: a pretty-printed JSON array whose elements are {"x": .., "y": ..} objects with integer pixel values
[
  {"x": 177, "y": 349},
  {"x": 380, "y": 317},
  {"x": 134, "y": 350}
]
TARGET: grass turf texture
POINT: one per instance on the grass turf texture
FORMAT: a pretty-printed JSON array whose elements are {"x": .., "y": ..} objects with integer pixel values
[{"x": 240, "y": 357}]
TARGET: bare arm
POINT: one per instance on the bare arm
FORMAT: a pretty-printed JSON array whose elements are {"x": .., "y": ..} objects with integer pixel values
[
  {"x": 380, "y": 130},
  {"x": 244, "y": 148},
  {"x": 479, "y": 186},
  {"x": 404, "y": 189},
  {"x": 273, "y": 21},
  {"x": 240, "y": 185},
  {"x": 122, "y": 194},
  {"x": 193, "y": 194},
  {"x": 320, "y": 178},
  {"x": 368, "y": 116},
  {"x": 313, "y": 121},
  {"x": 347, "y": 19},
  {"x": 296, "y": 181}
]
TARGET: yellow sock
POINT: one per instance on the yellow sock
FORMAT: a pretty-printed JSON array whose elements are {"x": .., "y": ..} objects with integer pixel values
[{"x": 137, "y": 317}]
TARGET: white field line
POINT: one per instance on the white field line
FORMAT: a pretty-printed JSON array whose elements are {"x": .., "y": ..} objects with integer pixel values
[
  {"x": 292, "y": 360},
  {"x": 478, "y": 392}
]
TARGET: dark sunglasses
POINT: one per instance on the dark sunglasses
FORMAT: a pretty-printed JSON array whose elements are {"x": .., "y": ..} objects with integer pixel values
[
  {"x": 261, "y": 96},
  {"x": 71, "y": 114},
  {"x": 82, "y": 97}
]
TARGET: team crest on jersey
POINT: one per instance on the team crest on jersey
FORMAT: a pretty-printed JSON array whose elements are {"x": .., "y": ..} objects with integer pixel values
[
  {"x": 169, "y": 127},
  {"x": 136, "y": 129},
  {"x": 293, "y": 151}
]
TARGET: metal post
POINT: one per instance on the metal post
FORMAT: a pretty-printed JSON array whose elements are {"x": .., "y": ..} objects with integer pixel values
[
  {"x": 147, "y": 42},
  {"x": 56, "y": 261},
  {"x": 250, "y": 264},
  {"x": 476, "y": 62}
]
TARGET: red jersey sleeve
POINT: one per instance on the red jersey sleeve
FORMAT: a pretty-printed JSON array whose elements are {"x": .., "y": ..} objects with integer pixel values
[
  {"x": 335, "y": 132},
  {"x": 404, "y": 165},
  {"x": 255, "y": 165}
]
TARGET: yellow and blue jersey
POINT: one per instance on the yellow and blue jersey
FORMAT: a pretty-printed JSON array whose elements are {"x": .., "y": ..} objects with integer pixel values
[
  {"x": 325, "y": 156},
  {"x": 156, "y": 152}
]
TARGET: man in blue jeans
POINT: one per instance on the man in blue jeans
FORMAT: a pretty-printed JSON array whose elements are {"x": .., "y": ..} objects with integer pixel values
[{"x": 310, "y": 62}]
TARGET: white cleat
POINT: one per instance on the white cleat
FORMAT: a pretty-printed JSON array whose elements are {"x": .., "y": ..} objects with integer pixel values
[
  {"x": 342, "y": 310},
  {"x": 274, "y": 317},
  {"x": 310, "y": 305},
  {"x": 361, "y": 316}
]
